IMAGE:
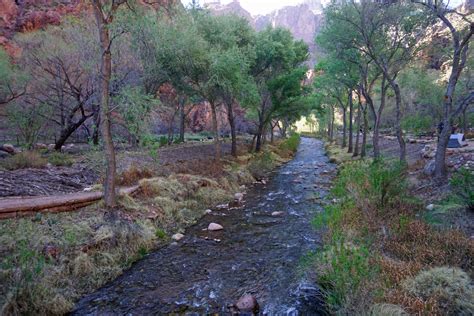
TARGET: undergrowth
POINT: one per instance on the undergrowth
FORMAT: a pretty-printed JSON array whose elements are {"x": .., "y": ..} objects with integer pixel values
[
  {"x": 49, "y": 261},
  {"x": 379, "y": 256}
]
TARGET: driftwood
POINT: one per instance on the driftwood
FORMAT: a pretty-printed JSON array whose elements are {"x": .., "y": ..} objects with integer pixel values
[{"x": 25, "y": 206}]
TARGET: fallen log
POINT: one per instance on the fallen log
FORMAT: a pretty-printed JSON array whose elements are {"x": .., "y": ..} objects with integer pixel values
[{"x": 25, "y": 206}]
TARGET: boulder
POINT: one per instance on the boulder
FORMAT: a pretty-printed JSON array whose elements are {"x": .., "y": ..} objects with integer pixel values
[
  {"x": 429, "y": 168},
  {"x": 9, "y": 148},
  {"x": 247, "y": 304},
  {"x": 214, "y": 227},
  {"x": 177, "y": 237},
  {"x": 428, "y": 152},
  {"x": 40, "y": 146},
  {"x": 239, "y": 196}
]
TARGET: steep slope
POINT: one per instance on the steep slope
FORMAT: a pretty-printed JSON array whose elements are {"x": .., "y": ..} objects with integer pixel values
[{"x": 303, "y": 20}]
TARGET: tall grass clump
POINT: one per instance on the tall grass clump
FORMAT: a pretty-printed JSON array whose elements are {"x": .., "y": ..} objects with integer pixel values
[
  {"x": 291, "y": 144},
  {"x": 23, "y": 160}
]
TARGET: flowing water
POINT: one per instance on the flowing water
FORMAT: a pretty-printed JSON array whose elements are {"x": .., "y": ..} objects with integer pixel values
[{"x": 256, "y": 253}]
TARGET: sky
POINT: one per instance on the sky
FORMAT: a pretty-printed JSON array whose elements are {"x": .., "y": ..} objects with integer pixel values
[{"x": 257, "y": 6}]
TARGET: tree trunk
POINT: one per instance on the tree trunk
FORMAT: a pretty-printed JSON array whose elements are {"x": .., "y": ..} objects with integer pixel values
[
  {"x": 258, "y": 145},
  {"x": 215, "y": 129},
  {"x": 96, "y": 130},
  {"x": 67, "y": 132},
  {"x": 351, "y": 115},
  {"x": 182, "y": 119},
  {"x": 364, "y": 133},
  {"x": 233, "y": 134},
  {"x": 332, "y": 124},
  {"x": 106, "y": 73},
  {"x": 398, "y": 117},
  {"x": 464, "y": 120},
  {"x": 344, "y": 127},
  {"x": 358, "y": 119}
]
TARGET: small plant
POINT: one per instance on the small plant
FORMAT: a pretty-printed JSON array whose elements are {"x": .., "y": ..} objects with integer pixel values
[
  {"x": 23, "y": 160},
  {"x": 261, "y": 165},
  {"x": 452, "y": 287},
  {"x": 60, "y": 159},
  {"x": 291, "y": 144},
  {"x": 160, "y": 233},
  {"x": 462, "y": 184}
]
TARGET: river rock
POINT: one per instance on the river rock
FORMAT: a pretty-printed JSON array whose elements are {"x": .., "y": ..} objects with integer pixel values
[
  {"x": 247, "y": 304},
  {"x": 177, "y": 237},
  {"x": 40, "y": 146},
  {"x": 430, "y": 207},
  {"x": 277, "y": 213},
  {"x": 239, "y": 196},
  {"x": 208, "y": 211},
  {"x": 9, "y": 148},
  {"x": 214, "y": 227}
]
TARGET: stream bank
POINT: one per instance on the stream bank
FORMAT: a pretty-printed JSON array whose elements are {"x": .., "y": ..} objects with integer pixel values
[{"x": 257, "y": 252}]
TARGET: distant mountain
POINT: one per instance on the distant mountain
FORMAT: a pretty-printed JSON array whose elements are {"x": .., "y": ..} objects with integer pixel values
[{"x": 303, "y": 20}]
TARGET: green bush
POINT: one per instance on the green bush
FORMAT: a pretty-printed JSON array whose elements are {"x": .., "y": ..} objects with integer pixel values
[
  {"x": 380, "y": 183},
  {"x": 417, "y": 124},
  {"x": 462, "y": 184},
  {"x": 60, "y": 159},
  {"x": 23, "y": 160},
  {"x": 291, "y": 143},
  {"x": 261, "y": 165},
  {"x": 345, "y": 268},
  {"x": 452, "y": 286}
]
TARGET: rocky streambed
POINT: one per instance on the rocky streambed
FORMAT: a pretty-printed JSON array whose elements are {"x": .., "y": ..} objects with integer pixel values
[{"x": 260, "y": 251}]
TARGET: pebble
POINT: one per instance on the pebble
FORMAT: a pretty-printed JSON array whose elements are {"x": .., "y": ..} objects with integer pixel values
[
  {"x": 247, "y": 304},
  {"x": 214, "y": 227},
  {"x": 430, "y": 207},
  {"x": 177, "y": 237}
]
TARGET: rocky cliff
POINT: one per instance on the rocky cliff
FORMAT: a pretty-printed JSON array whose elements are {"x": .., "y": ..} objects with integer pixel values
[{"x": 303, "y": 20}]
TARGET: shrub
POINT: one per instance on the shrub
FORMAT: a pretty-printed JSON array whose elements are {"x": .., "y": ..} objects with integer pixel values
[
  {"x": 345, "y": 268},
  {"x": 378, "y": 185},
  {"x": 60, "y": 159},
  {"x": 291, "y": 144},
  {"x": 462, "y": 184},
  {"x": 452, "y": 288},
  {"x": 132, "y": 175},
  {"x": 23, "y": 160},
  {"x": 261, "y": 165}
]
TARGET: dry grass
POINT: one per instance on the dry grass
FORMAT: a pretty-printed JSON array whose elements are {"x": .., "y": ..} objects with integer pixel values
[
  {"x": 23, "y": 160},
  {"x": 49, "y": 261},
  {"x": 133, "y": 174},
  {"x": 404, "y": 251}
]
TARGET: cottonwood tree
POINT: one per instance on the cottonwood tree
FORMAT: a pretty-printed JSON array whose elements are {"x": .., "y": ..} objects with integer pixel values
[
  {"x": 461, "y": 33},
  {"x": 277, "y": 53},
  {"x": 104, "y": 12}
]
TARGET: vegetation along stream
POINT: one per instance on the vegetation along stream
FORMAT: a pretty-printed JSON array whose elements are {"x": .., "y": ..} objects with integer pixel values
[{"x": 259, "y": 252}]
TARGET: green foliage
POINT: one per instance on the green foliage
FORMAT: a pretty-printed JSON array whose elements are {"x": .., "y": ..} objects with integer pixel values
[
  {"x": 28, "y": 120},
  {"x": 160, "y": 233},
  {"x": 381, "y": 183},
  {"x": 60, "y": 159},
  {"x": 347, "y": 267},
  {"x": 417, "y": 123},
  {"x": 23, "y": 160},
  {"x": 291, "y": 144},
  {"x": 261, "y": 164},
  {"x": 452, "y": 286},
  {"x": 135, "y": 108},
  {"x": 462, "y": 183}
]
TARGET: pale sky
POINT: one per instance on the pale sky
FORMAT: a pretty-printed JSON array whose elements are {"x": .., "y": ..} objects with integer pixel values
[{"x": 257, "y": 6}]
